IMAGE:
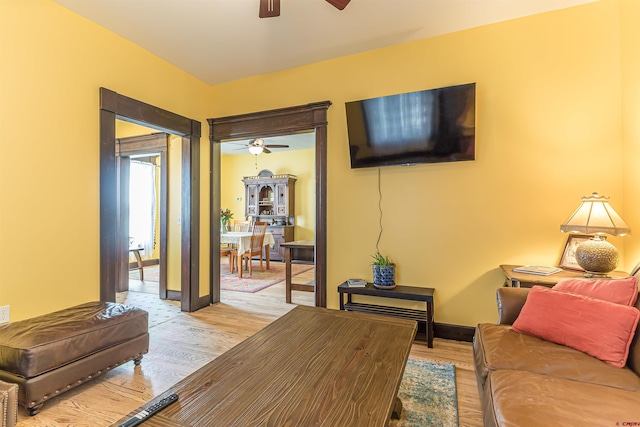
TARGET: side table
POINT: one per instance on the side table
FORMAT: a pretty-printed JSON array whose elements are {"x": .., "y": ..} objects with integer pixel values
[
  {"x": 410, "y": 293},
  {"x": 525, "y": 280},
  {"x": 136, "y": 252}
]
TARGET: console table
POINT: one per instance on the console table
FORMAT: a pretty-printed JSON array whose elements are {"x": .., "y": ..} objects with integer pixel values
[
  {"x": 410, "y": 293},
  {"x": 525, "y": 280}
]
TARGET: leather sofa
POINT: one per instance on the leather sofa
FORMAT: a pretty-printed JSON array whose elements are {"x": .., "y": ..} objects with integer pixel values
[{"x": 527, "y": 381}]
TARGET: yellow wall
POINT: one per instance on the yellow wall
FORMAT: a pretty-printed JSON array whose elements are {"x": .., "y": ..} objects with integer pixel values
[
  {"x": 53, "y": 64},
  {"x": 548, "y": 112},
  {"x": 300, "y": 163},
  {"x": 557, "y": 111},
  {"x": 630, "y": 18}
]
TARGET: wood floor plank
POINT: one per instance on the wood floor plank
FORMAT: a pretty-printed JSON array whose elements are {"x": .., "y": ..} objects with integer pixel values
[{"x": 188, "y": 341}]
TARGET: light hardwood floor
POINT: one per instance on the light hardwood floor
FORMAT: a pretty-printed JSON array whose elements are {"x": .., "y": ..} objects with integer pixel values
[{"x": 187, "y": 341}]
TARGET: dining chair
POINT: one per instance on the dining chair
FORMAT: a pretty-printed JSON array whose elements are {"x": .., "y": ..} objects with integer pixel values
[
  {"x": 228, "y": 251},
  {"x": 238, "y": 225},
  {"x": 257, "y": 242},
  {"x": 241, "y": 225}
]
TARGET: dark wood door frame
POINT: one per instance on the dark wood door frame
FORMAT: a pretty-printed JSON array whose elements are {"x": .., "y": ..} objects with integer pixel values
[
  {"x": 284, "y": 121},
  {"x": 115, "y": 106}
]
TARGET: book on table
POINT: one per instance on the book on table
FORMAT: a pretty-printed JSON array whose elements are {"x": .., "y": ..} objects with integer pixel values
[
  {"x": 541, "y": 270},
  {"x": 357, "y": 283}
]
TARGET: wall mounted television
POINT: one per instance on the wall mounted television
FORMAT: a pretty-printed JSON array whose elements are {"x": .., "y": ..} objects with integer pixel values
[{"x": 428, "y": 126}]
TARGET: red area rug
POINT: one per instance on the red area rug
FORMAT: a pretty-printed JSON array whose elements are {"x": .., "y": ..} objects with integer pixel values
[
  {"x": 230, "y": 282},
  {"x": 258, "y": 280}
]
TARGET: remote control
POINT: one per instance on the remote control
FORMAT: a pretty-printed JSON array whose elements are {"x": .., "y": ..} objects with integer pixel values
[{"x": 146, "y": 413}]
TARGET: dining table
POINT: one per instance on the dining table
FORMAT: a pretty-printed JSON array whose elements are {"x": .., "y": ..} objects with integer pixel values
[{"x": 242, "y": 241}]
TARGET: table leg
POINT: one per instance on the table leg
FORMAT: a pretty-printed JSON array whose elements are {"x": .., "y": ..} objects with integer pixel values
[
  {"x": 139, "y": 261},
  {"x": 430, "y": 324},
  {"x": 397, "y": 409},
  {"x": 268, "y": 256},
  {"x": 239, "y": 265},
  {"x": 287, "y": 270}
]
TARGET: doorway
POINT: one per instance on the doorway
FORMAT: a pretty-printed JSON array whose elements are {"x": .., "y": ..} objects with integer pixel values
[
  {"x": 286, "y": 121},
  {"x": 143, "y": 164},
  {"x": 282, "y": 181},
  {"x": 115, "y": 106}
]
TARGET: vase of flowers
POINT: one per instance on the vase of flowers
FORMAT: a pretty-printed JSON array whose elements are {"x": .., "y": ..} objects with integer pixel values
[
  {"x": 225, "y": 216},
  {"x": 384, "y": 272}
]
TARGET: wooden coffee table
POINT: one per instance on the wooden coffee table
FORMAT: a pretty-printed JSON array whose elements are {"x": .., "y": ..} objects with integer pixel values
[{"x": 312, "y": 366}]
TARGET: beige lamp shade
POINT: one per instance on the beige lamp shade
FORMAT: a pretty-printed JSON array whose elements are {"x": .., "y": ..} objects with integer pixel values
[{"x": 596, "y": 216}]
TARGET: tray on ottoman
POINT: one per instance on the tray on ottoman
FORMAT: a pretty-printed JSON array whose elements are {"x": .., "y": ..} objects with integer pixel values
[{"x": 50, "y": 354}]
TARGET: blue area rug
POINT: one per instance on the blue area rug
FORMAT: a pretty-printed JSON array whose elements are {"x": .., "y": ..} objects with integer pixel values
[{"x": 428, "y": 395}]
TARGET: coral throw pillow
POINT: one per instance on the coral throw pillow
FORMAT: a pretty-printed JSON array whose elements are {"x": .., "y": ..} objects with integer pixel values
[
  {"x": 599, "y": 328},
  {"x": 619, "y": 291}
]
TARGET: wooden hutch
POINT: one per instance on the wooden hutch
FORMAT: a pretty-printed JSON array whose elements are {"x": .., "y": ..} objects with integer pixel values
[{"x": 271, "y": 199}]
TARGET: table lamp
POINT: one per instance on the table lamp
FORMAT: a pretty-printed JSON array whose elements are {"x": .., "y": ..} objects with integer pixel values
[{"x": 596, "y": 216}]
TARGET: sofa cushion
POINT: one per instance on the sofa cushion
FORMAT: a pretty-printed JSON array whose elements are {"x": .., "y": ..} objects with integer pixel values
[
  {"x": 618, "y": 291},
  {"x": 596, "y": 327},
  {"x": 518, "y": 398},
  {"x": 498, "y": 347}
]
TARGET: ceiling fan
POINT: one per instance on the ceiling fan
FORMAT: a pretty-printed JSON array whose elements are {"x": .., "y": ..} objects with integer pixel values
[
  {"x": 257, "y": 146},
  {"x": 271, "y": 8}
]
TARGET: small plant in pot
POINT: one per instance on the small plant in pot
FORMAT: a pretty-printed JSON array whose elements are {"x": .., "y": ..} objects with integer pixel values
[{"x": 384, "y": 272}]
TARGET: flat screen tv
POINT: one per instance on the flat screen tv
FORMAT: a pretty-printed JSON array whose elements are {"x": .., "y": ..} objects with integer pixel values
[{"x": 428, "y": 126}]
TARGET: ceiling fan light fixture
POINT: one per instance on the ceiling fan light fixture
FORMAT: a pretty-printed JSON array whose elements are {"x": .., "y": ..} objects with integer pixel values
[{"x": 255, "y": 149}]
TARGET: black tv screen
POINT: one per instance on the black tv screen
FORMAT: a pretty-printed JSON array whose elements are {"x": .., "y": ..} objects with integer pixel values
[{"x": 428, "y": 126}]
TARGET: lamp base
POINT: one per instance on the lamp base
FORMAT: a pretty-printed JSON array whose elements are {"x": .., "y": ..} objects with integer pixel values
[
  {"x": 597, "y": 257},
  {"x": 592, "y": 274}
]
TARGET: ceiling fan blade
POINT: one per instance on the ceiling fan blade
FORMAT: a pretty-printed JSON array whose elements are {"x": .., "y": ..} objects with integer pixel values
[
  {"x": 269, "y": 8},
  {"x": 266, "y": 150},
  {"x": 340, "y": 4},
  {"x": 276, "y": 146}
]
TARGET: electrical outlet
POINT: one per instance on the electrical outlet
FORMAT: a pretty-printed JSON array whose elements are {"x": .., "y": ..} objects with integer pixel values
[{"x": 4, "y": 314}]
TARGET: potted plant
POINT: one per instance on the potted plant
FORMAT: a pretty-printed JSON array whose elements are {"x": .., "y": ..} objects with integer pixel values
[
  {"x": 384, "y": 271},
  {"x": 225, "y": 215}
]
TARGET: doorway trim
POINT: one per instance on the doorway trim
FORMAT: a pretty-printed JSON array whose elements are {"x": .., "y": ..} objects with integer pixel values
[
  {"x": 283, "y": 121},
  {"x": 115, "y": 106}
]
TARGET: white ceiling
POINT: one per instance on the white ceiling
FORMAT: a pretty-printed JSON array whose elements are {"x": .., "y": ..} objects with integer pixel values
[{"x": 223, "y": 40}]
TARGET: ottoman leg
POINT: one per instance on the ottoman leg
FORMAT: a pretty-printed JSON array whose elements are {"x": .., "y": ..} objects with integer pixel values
[
  {"x": 35, "y": 409},
  {"x": 137, "y": 360}
]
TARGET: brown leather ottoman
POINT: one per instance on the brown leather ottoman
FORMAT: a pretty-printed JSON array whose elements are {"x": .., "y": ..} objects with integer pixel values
[{"x": 50, "y": 354}]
